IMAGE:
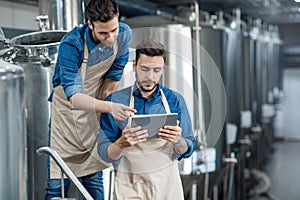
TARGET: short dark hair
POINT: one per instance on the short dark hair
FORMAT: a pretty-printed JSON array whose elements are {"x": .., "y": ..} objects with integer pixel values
[
  {"x": 150, "y": 48},
  {"x": 101, "y": 10}
]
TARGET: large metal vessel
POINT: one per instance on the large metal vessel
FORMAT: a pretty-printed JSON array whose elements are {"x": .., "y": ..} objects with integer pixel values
[
  {"x": 179, "y": 69},
  {"x": 13, "y": 166},
  {"x": 213, "y": 47},
  {"x": 36, "y": 53},
  {"x": 62, "y": 14},
  {"x": 182, "y": 75},
  {"x": 179, "y": 64}
]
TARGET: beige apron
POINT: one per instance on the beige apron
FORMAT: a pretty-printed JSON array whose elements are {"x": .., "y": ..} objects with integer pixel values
[
  {"x": 74, "y": 133},
  {"x": 149, "y": 171}
]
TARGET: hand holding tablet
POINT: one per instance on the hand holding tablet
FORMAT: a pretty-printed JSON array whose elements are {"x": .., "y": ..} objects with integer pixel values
[{"x": 153, "y": 122}]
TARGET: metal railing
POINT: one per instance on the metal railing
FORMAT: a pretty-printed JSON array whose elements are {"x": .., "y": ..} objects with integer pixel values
[{"x": 65, "y": 170}]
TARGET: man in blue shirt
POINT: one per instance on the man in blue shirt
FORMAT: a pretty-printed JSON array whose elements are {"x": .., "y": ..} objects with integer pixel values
[
  {"x": 90, "y": 63},
  {"x": 147, "y": 168}
]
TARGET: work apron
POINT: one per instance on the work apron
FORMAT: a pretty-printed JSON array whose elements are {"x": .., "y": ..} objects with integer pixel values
[
  {"x": 74, "y": 133},
  {"x": 149, "y": 170}
]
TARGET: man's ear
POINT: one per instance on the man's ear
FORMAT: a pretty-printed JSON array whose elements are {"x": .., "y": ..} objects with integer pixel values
[
  {"x": 90, "y": 24},
  {"x": 134, "y": 65}
]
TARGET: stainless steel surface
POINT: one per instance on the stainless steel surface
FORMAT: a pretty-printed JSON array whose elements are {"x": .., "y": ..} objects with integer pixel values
[
  {"x": 37, "y": 46},
  {"x": 63, "y": 14},
  {"x": 13, "y": 165},
  {"x": 257, "y": 103},
  {"x": 63, "y": 166},
  {"x": 232, "y": 74},
  {"x": 178, "y": 43},
  {"x": 270, "y": 11},
  {"x": 36, "y": 53},
  {"x": 179, "y": 66},
  {"x": 247, "y": 67},
  {"x": 274, "y": 68},
  {"x": 212, "y": 56}
]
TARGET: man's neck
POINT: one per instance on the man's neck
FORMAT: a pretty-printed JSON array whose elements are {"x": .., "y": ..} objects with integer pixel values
[{"x": 146, "y": 94}]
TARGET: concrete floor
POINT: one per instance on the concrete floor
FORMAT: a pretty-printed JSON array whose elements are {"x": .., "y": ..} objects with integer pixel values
[{"x": 283, "y": 169}]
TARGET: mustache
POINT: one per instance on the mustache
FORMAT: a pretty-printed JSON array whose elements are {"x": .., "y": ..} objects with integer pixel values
[{"x": 149, "y": 82}]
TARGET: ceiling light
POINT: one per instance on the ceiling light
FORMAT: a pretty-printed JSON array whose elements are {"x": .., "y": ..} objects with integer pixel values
[{"x": 298, "y": 1}]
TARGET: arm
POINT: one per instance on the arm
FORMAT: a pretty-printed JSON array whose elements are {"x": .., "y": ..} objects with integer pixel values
[
  {"x": 173, "y": 135},
  {"x": 85, "y": 102},
  {"x": 129, "y": 138},
  {"x": 69, "y": 59},
  {"x": 181, "y": 135},
  {"x": 113, "y": 142},
  {"x": 108, "y": 86}
]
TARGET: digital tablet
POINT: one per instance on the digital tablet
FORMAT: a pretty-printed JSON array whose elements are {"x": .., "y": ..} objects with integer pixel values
[{"x": 153, "y": 122}]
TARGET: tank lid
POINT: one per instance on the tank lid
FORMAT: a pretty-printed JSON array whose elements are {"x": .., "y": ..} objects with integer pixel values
[
  {"x": 38, "y": 39},
  {"x": 7, "y": 68}
]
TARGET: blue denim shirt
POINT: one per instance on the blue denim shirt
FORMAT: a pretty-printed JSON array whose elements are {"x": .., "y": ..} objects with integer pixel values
[
  {"x": 71, "y": 54},
  {"x": 111, "y": 129}
]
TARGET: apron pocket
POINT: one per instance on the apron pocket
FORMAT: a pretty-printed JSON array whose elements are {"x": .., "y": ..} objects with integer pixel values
[{"x": 134, "y": 186}]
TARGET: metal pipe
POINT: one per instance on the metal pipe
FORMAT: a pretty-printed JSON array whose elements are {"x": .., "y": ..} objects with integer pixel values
[{"x": 65, "y": 169}]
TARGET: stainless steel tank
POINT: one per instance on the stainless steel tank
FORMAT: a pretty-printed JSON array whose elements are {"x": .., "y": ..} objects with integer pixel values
[
  {"x": 212, "y": 47},
  {"x": 223, "y": 45},
  {"x": 232, "y": 74},
  {"x": 179, "y": 69},
  {"x": 36, "y": 53},
  {"x": 178, "y": 43},
  {"x": 13, "y": 165},
  {"x": 257, "y": 104},
  {"x": 248, "y": 79},
  {"x": 63, "y": 14},
  {"x": 274, "y": 66},
  {"x": 182, "y": 73}
]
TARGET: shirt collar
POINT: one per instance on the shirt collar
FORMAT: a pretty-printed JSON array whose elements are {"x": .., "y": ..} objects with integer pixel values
[{"x": 137, "y": 93}]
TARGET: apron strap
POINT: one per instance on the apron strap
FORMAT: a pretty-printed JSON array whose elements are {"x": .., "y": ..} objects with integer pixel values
[
  {"x": 165, "y": 102},
  {"x": 162, "y": 96},
  {"x": 131, "y": 104},
  {"x": 84, "y": 63}
]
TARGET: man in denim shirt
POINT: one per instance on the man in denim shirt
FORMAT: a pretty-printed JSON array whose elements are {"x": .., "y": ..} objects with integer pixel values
[
  {"x": 147, "y": 168},
  {"x": 90, "y": 63}
]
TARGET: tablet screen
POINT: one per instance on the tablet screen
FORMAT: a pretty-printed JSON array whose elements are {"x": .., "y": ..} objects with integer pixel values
[{"x": 153, "y": 122}]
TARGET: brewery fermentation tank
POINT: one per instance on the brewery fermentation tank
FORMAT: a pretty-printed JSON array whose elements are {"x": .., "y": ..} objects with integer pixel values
[
  {"x": 177, "y": 39},
  {"x": 179, "y": 70},
  {"x": 62, "y": 14},
  {"x": 36, "y": 53},
  {"x": 222, "y": 45},
  {"x": 183, "y": 73},
  {"x": 248, "y": 43},
  {"x": 13, "y": 166}
]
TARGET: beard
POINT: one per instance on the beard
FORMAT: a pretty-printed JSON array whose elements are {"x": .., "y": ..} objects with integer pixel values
[
  {"x": 105, "y": 42},
  {"x": 140, "y": 84}
]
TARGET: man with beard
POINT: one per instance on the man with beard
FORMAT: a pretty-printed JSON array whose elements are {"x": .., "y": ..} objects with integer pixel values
[
  {"x": 147, "y": 168},
  {"x": 90, "y": 63}
]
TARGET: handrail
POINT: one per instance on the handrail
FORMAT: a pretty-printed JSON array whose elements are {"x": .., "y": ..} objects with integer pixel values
[{"x": 65, "y": 169}]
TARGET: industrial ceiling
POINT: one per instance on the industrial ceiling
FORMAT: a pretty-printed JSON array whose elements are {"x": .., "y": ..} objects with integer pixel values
[{"x": 270, "y": 11}]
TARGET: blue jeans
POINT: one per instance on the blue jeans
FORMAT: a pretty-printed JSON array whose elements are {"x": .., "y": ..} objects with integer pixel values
[{"x": 93, "y": 183}]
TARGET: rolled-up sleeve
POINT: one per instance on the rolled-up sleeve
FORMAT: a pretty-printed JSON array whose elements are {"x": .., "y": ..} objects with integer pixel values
[
  {"x": 109, "y": 133},
  {"x": 68, "y": 63},
  {"x": 186, "y": 126}
]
